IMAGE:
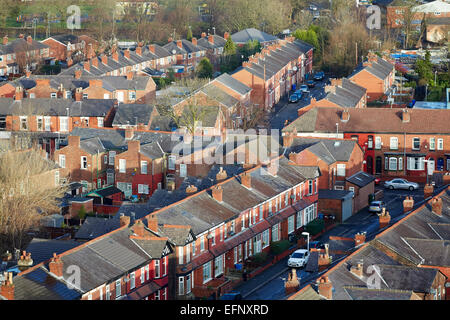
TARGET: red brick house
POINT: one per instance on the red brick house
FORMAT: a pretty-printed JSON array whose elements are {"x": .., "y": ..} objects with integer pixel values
[
  {"x": 398, "y": 148},
  {"x": 377, "y": 75},
  {"x": 138, "y": 271},
  {"x": 241, "y": 222},
  {"x": 272, "y": 72},
  {"x": 65, "y": 46},
  {"x": 188, "y": 54},
  {"x": 399, "y": 10}
]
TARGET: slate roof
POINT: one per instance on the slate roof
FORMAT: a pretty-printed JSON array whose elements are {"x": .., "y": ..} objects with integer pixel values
[
  {"x": 65, "y": 38},
  {"x": 308, "y": 293},
  {"x": 346, "y": 95},
  {"x": 56, "y": 107},
  {"x": 187, "y": 47},
  {"x": 93, "y": 145},
  {"x": 20, "y": 45},
  {"x": 219, "y": 42},
  {"x": 334, "y": 194},
  {"x": 154, "y": 248},
  {"x": 40, "y": 285},
  {"x": 220, "y": 96},
  {"x": 233, "y": 84},
  {"x": 128, "y": 114},
  {"x": 324, "y": 120},
  {"x": 251, "y": 34},
  {"x": 381, "y": 69},
  {"x": 361, "y": 179},
  {"x": 43, "y": 249},
  {"x": 329, "y": 150},
  {"x": 94, "y": 227},
  {"x": 359, "y": 293}
]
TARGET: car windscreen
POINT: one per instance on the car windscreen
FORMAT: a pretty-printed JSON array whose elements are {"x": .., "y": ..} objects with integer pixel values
[{"x": 297, "y": 255}]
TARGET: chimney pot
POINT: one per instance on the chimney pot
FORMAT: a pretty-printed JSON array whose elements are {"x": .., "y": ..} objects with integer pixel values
[
  {"x": 56, "y": 266},
  {"x": 124, "y": 221},
  {"x": 217, "y": 193},
  {"x": 325, "y": 288},
  {"x": 191, "y": 189}
]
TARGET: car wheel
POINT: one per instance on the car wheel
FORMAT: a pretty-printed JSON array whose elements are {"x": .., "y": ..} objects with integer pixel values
[
  {"x": 391, "y": 187},
  {"x": 411, "y": 188}
]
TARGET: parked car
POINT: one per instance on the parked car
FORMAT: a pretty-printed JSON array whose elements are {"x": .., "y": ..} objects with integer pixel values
[
  {"x": 376, "y": 206},
  {"x": 312, "y": 7},
  {"x": 304, "y": 88},
  {"x": 299, "y": 258},
  {"x": 310, "y": 83},
  {"x": 294, "y": 98},
  {"x": 3, "y": 78},
  {"x": 319, "y": 76},
  {"x": 377, "y": 181},
  {"x": 401, "y": 184},
  {"x": 316, "y": 245},
  {"x": 231, "y": 296}
]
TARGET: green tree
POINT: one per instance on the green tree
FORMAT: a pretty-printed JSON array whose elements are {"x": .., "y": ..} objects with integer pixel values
[
  {"x": 230, "y": 47},
  {"x": 205, "y": 69},
  {"x": 424, "y": 68}
]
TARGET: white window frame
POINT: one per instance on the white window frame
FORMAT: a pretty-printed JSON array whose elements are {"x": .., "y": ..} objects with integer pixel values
[
  {"x": 47, "y": 123},
  {"x": 432, "y": 144},
  {"x": 111, "y": 158},
  {"x": 122, "y": 165},
  {"x": 340, "y": 170},
  {"x": 144, "y": 164},
  {"x": 171, "y": 162},
  {"x": 63, "y": 124},
  {"x": 378, "y": 143},
  {"x": 180, "y": 255},
  {"x": 275, "y": 232},
  {"x": 100, "y": 122},
  {"x": 83, "y": 159},
  {"x": 393, "y": 143},
  {"x": 291, "y": 225},
  {"x": 181, "y": 286},
  {"x": 440, "y": 144},
  {"x": 157, "y": 269},
  {"x": 207, "y": 272},
  {"x": 132, "y": 280},
  {"x": 62, "y": 160},
  {"x": 393, "y": 161},
  {"x": 118, "y": 289},
  {"x": 413, "y": 147},
  {"x": 42, "y": 123}
]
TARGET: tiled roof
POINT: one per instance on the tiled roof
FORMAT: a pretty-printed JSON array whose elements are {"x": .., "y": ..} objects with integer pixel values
[
  {"x": 251, "y": 34},
  {"x": 368, "y": 120},
  {"x": 94, "y": 227},
  {"x": 361, "y": 179},
  {"x": 233, "y": 84},
  {"x": 43, "y": 249},
  {"x": 128, "y": 114}
]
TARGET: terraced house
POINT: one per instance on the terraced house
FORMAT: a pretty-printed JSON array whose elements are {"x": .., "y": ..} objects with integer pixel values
[
  {"x": 397, "y": 148},
  {"x": 188, "y": 55},
  {"x": 233, "y": 220},
  {"x": 21, "y": 54},
  {"x": 407, "y": 261},
  {"x": 271, "y": 73},
  {"x": 129, "y": 263}
]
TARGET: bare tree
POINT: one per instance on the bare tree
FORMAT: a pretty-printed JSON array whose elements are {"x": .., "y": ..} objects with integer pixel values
[{"x": 28, "y": 191}]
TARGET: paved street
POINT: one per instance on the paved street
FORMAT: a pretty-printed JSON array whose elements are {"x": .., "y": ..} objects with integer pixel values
[
  {"x": 288, "y": 111},
  {"x": 270, "y": 284}
]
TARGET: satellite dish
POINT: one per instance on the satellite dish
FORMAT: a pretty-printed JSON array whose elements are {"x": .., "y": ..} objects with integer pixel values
[
  {"x": 174, "y": 51},
  {"x": 295, "y": 69}
]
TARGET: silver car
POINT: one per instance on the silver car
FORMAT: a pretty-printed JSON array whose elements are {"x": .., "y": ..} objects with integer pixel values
[{"x": 401, "y": 184}]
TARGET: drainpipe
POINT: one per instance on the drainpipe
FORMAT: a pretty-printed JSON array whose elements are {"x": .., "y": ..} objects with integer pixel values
[{"x": 405, "y": 161}]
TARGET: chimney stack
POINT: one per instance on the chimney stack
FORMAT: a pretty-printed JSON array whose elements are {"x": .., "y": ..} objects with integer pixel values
[
  {"x": 194, "y": 41},
  {"x": 203, "y": 34},
  {"x": 124, "y": 220},
  {"x": 221, "y": 175},
  {"x": 292, "y": 284},
  {"x": 152, "y": 222},
  {"x": 436, "y": 205},
  {"x": 180, "y": 43},
  {"x": 5, "y": 40},
  {"x": 345, "y": 115},
  {"x": 384, "y": 218},
  {"x": 21, "y": 36},
  {"x": 428, "y": 191},
  {"x": 246, "y": 180},
  {"x": 7, "y": 287},
  {"x": 226, "y": 35},
  {"x": 126, "y": 53},
  {"x": 94, "y": 62},
  {"x": 406, "y": 116},
  {"x": 325, "y": 288},
  {"x": 130, "y": 75},
  {"x": 211, "y": 38},
  {"x": 357, "y": 270},
  {"x": 78, "y": 73},
  {"x": 139, "y": 228},
  {"x": 217, "y": 193},
  {"x": 56, "y": 266},
  {"x": 360, "y": 238},
  {"x": 78, "y": 94},
  {"x": 129, "y": 133},
  {"x": 19, "y": 94},
  {"x": 104, "y": 59},
  {"x": 408, "y": 204},
  {"x": 191, "y": 189},
  {"x": 115, "y": 56},
  {"x": 139, "y": 51},
  {"x": 134, "y": 145},
  {"x": 73, "y": 141},
  {"x": 151, "y": 48},
  {"x": 28, "y": 73},
  {"x": 69, "y": 62},
  {"x": 86, "y": 66},
  {"x": 29, "y": 40}
]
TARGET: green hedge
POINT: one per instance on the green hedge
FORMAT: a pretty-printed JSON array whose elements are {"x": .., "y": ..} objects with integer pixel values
[
  {"x": 259, "y": 259},
  {"x": 279, "y": 246},
  {"x": 315, "y": 227}
]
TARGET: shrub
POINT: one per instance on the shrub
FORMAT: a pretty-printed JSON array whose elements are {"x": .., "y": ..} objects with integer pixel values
[
  {"x": 279, "y": 246},
  {"x": 315, "y": 227},
  {"x": 259, "y": 259}
]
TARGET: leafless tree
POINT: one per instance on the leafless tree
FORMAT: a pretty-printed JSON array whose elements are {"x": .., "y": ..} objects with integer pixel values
[{"x": 28, "y": 191}]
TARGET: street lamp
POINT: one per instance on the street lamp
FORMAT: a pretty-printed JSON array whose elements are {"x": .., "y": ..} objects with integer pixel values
[
  {"x": 306, "y": 234},
  {"x": 435, "y": 72}
]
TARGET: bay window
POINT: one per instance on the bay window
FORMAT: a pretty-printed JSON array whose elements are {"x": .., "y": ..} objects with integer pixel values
[{"x": 416, "y": 163}]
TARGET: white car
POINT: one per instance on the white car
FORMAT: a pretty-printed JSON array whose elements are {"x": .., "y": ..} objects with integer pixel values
[
  {"x": 401, "y": 184},
  {"x": 298, "y": 259},
  {"x": 304, "y": 88}
]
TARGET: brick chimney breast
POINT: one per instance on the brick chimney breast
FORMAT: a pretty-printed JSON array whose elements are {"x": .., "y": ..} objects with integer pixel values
[
  {"x": 78, "y": 73},
  {"x": 217, "y": 193},
  {"x": 406, "y": 116},
  {"x": 124, "y": 220},
  {"x": 151, "y": 48},
  {"x": 134, "y": 145},
  {"x": 130, "y": 75},
  {"x": 56, "y": 266},
  {"x": 436, "y": 205},
  {"x": 180, "y": 44},
  {"x": 104, "y": 59},
  {"x": 73, "y": 141},
  {"x": 194, "y": 41},
  {"x": 211, "y": 38},
  {"x": 345, "y": 115},
  {"x": 246, "y": 180},
  {"x": 29, "y": 39},
  {"x": 152, "y": 222},
  {"x": 139, "y": 228},
  {"x": 126, "y": 53},
  {"x": 139, "y": 51},
  {"x": 87, "y": 66},
  {"x": 129, "y": 133},
  {"x": 325, "y": 288}
]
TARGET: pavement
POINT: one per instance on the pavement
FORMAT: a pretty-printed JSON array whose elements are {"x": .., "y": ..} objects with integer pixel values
[{"x": 269, "y": 284}]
